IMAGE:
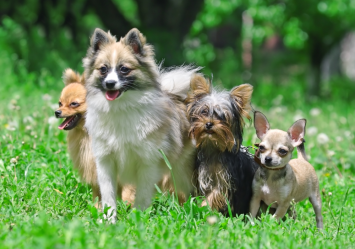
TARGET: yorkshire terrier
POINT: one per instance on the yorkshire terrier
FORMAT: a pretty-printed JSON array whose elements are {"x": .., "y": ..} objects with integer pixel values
[
  {"x": 135, "y": 109},
  {"x": 224, "y": 168}
]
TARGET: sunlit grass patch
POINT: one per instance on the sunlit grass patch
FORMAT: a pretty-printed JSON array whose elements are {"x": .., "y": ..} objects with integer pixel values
[{"x": 43, "y": 204}]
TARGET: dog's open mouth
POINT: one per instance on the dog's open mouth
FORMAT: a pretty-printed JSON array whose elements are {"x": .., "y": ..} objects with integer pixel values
[
  {"x": 70, "y": 122},
  {"x": 112, "y": 95}
]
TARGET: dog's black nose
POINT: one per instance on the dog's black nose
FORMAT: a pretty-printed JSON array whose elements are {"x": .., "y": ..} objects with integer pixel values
[
  {"x": 268, "y": 159},
  {"x": 209, "y": 125},
  {"x": 110, "y": 84},
  {"x": 58, "y": 113}
]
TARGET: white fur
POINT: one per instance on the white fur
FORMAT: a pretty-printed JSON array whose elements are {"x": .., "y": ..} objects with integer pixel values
[
  {"x": 112, "y": 76},
  {"x": 126, "y": 135},
  {"x": 265, "y": 189},
  {"x": 177, "y": 81}
]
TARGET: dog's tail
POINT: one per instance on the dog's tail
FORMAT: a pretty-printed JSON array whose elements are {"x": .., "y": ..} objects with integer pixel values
[
  {"x": 176, "y": 80},
  {"x": 301, "y": 153}
]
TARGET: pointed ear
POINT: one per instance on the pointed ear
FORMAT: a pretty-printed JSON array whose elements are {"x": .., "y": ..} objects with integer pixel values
[
  {"x": 100, "y": 38},
  {"x": 241, "y": 95},
  {"x": 69, "y": 76},
  {"x": 297, "y": 132},
  {"x": 261, "y": 124},
  {"x": 199, "y": 85},
  {"x": 135, "y": 40}
]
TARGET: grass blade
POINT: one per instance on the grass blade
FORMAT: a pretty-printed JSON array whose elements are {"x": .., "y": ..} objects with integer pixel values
[
  {"x": 341, "y": 211},
  {"x": 171, "y": 171}
]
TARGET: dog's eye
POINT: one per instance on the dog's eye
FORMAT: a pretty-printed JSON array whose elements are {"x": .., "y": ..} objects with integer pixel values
[
  {"x": 74, "y": 104},
  {"x": 125, "y": 70},
  {"x": 261, "y": 148},
  {"x": 60, "y": 104},
  {"x": 103, "y": 70},
  {"x": 283, "y": 152},
  {"x": 204, "y": 112}
]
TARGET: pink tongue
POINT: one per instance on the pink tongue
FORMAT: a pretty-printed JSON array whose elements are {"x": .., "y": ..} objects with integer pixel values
[
  {"x": 65, "y": 122},
  {"x": 112, "y": 95}
]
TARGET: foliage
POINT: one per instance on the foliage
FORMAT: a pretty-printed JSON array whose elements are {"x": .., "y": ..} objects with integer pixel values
[
  {"x": 33, "y": 53},
  {"x": 301, "y": 21},
  {"x": 198, "y": 48},
  {"x": 311, "y": 27},
  {"x": 129, "y": 9}
]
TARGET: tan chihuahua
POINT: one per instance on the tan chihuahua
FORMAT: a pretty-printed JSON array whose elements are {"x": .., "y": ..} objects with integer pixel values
[{"x": 280, "y": 180}]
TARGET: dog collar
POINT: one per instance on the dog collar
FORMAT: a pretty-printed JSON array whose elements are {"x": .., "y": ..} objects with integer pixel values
[{"x": 258, "y": 161}]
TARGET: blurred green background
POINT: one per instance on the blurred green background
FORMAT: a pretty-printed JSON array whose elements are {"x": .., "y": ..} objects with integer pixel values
[{"x": 237, "y": 41}]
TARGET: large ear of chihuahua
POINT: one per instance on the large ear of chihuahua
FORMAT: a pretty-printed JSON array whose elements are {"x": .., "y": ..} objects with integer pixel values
[
  {"x": 296, "y": 132},
  {"x": 70, "y": 76},
  {"x": 261, "y": 125},
  {"x": 241, "y": 96}
]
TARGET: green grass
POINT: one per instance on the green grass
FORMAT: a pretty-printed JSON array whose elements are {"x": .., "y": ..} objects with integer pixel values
[{"x": 43, "y": 204}]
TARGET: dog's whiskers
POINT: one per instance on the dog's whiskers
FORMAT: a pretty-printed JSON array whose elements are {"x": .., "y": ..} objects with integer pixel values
[{"x": 223, "y": 171}]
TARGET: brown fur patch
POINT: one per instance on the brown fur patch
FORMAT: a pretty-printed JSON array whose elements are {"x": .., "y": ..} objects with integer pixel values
[
  {"x": 222, "y": 137},
  {"x": 242, "y": 95},
  {"x": 199, "y": 86},
  {"x": 73, "y": 92},
  {"x": 216, "y": 200},
  {"x": 70, "y": 76}
]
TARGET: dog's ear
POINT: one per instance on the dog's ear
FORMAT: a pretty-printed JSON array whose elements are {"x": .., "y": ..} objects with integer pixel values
[
  {"x": 69, "y": 76},
  {"x": 100, "y": 38},
  {"x": 199, "y": 86},
  {"x": 136, "y": 41},
  {"x": 241, "y": 95},
  {"x": 261, "y": 124},
  {"x": 297, "y": 132}
]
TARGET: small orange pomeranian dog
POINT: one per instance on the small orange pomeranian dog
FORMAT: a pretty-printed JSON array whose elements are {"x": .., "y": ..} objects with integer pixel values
[{"x": 72, "y": 107}]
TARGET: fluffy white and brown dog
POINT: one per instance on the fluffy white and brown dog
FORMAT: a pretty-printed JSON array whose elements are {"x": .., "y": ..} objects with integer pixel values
[
  {"x": 133, "y": 110},
  {"x": 72, "y": 107}
]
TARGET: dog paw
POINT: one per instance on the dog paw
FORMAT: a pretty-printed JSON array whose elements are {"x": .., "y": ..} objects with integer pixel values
[{"x": 110, "y": 220}]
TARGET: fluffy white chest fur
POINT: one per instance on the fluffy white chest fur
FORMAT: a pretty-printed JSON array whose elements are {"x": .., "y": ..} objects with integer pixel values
[
  {"x": 126, "y": 130},
  {"x": 126, "y": 136}
]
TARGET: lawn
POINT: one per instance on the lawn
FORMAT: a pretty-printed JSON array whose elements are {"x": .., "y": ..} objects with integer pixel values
[{"x": 43, "y": 204}]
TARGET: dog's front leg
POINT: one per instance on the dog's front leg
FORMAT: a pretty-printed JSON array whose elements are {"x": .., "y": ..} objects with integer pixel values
[
  {"x": 107, "y": 178},
  {"x": 96, "y": 194},
  {"x": 147, "y": 177},
  {"x": 216, "y": 200},
  {"x": 254, "y": 206},
  {"x": 281, "y": 210}
]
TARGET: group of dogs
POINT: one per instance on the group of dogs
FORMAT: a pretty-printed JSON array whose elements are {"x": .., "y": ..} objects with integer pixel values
[{"x": 125, "y": 107}]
